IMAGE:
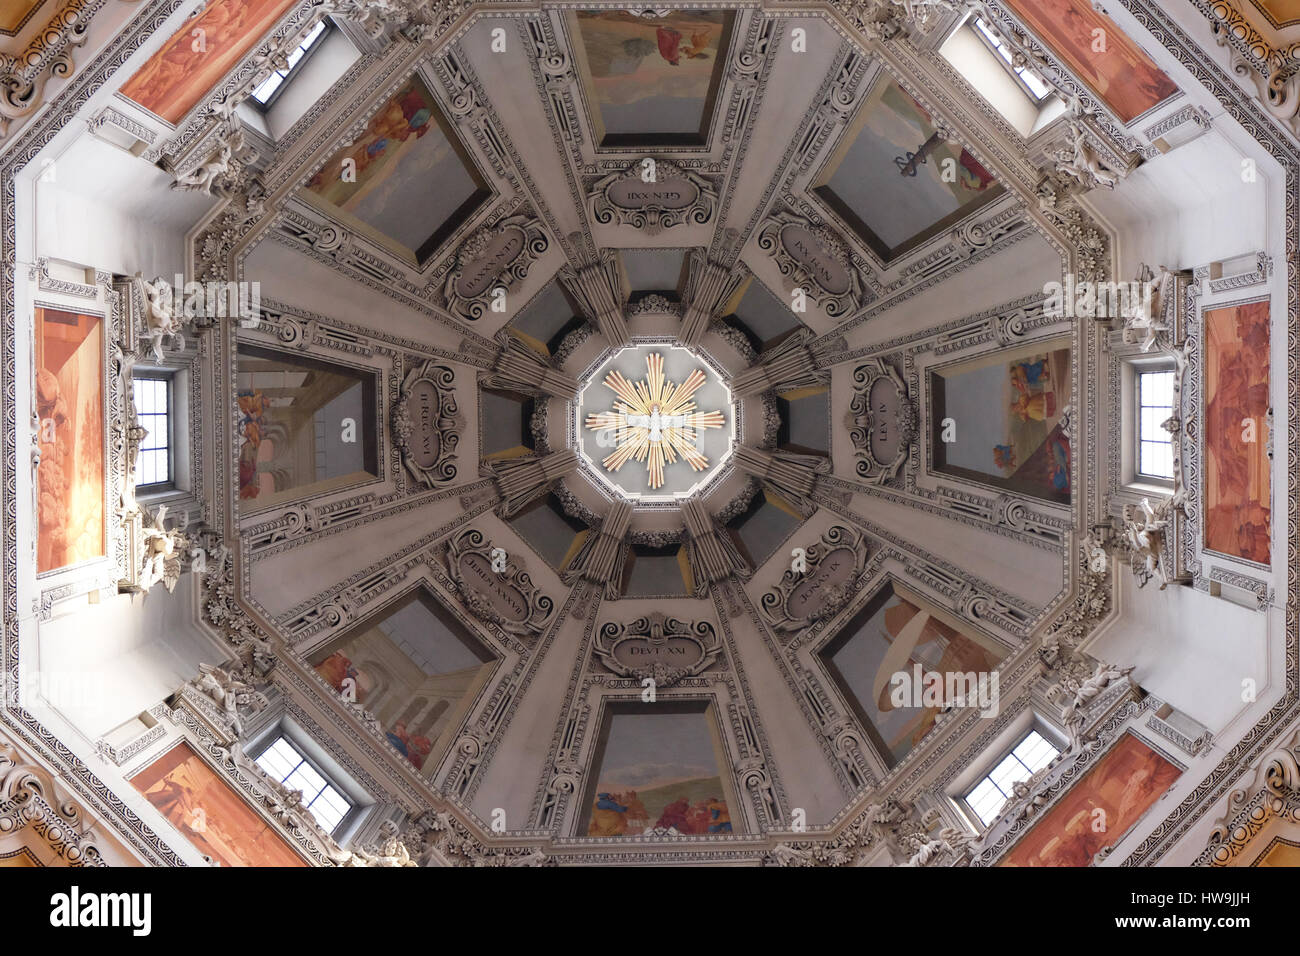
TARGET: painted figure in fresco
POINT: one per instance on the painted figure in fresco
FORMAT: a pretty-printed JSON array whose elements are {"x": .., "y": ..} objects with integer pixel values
[
  {"x": 411, "y": 746},
  {"x": 638, "y": 818},
  {"x": 607, "y": 816},
  {"x": 1077, "y": 846},
  {"x": 1238, "y": 515},
  {"x": 1027, "y": 374},
  {"x": 972, "y": 176},
  {"x": 55, "y": 468},
  {"x": 336, "y": 669},
  {"x": 674, "y": 816},
  {"x": 1004, "y": 456},
  {"x": 697, "y": 819},
  {"x": 1030, "y": 379},
  {"x": 719, "y": 817},
  {"x": 1058, "y": 451},
  {"x": 670, "y": 45},
  {"x": 1141, "y": 789},
  {"x": 167, "y": 73},
  {"x": 1124, "y": 77},
  {"x": 253, "y": 406},
  {"x": 407, "y": 113}
]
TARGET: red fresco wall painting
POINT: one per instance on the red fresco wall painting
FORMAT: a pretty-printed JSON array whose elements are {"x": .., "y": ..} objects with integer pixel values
[
  {"x": 1122, "y": 75},
  {"x": 200, "y": 54},
  {"x": 1237, "y": 492},
  {"x": 1122, "y": 786},
  {"x": 69, "y": 405},
  {"x": 210, "y": 813}
]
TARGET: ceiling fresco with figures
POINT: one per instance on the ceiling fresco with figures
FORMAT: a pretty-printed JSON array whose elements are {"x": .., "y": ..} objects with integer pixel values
[{"x": 557, "y": 433}]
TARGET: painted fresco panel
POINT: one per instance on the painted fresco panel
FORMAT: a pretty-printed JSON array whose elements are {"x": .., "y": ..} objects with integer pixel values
[
  {"x": 293, "y": 425},
  {"x": 658, "y": 768},
  {"x": 900, "y": 181},
  {"x": 653, "y": 76},
  {"x": 1125, "y": 78},
  {"x": 892, "y": 635},
  {"x": 70, "y": 406},
  {"x": 1007, "y": 424},
  {"x": 210, "y": 814},
  {"x": 412, "y": 669},
  {"x": 1099, "y": 809},
  {"x": 402, "y": 179},
  {"x": 200, "y": 54},
  {"x": 1237, "y": 477}
]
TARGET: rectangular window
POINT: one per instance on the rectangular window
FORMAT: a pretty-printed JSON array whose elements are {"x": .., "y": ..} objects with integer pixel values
[
  {"x": 1155, "y": 404},
  {"x": 1031, "y": 755},
  {"x": 285, "y": 762},
  {"x": 153, "y": 409},
  {"x": 1034, "y": 85},
  {"x": 266, "y": 91}
]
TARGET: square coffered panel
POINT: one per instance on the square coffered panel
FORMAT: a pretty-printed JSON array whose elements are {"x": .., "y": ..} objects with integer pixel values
[
  {"x": 651, "y": 81},
  {"x": 896, "y": 180},
  {"x": 405, "y": 181}
]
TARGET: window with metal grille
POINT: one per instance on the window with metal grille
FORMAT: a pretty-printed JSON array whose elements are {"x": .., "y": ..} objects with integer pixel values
[
  {"x": 266, "y": 92},
  {"x": 153, "y": 410},
  {"x": 286, "y": 763},
  {"x": 1030, "y": 81},
  {"x": 1155, "y": 405},
  {"x": 1032, "y": 754}
]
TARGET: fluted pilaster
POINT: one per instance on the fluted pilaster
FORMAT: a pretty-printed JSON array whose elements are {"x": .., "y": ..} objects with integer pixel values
[
  {"x": 792, "y": 476},
  {"x": 708, "y": 291},
  {"x": 520, "y": 480},
  {"x": 598, "y": 287},
  {"x": 520, "y": 369},
  {"x": 791, "y": 365},
  {"x": 603, "y": 555},
  {"x": 713, "y": 557}
]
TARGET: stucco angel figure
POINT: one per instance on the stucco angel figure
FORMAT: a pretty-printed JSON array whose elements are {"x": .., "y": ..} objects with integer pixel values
[
  {"x": 393, "y": 852},
  {"x": 534, "y": 857},
  {"x": 1143, "y": 321},
  {"x": 203, "y": 177},
  {"x": 228, "y": 690},
  {"x": 290, "y": 803},
  {"x": 164, "y": 551},
  {"x": 1027, "y": 796},
  {"x": 920, "y": 11},
  {"x": 161, "y": 320},
  {"x": 1144, "y": 534},
  {"x": 926, "y": 849},
  {"x": 1082, "y": 162},
  {"x": 785, "y": 855},
  {"x": 1082, "y": 694}
]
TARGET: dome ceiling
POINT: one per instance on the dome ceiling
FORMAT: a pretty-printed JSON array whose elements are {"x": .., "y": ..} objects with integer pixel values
[
  {"x": 648, "y": 230},
  {"x": 621, "y": 399}
]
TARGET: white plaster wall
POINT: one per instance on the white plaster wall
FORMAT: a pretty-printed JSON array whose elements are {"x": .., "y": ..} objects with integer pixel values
[
  {"x": 1192, "y": 650},
  {"x": 101, "y": 207},
  {"x": 311, "y": 82},
  {"x": 102, "y": 664}
]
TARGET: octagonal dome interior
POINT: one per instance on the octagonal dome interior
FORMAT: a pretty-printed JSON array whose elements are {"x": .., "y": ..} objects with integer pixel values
[{"x": 563, "y": 433}]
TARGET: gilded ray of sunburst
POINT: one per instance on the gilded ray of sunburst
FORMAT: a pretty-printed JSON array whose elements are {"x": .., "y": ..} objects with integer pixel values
[{"x": 655, "y": 422}]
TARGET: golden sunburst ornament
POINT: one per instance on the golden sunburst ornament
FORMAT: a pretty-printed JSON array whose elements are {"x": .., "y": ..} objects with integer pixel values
[{"x": 656, "y": 421}]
